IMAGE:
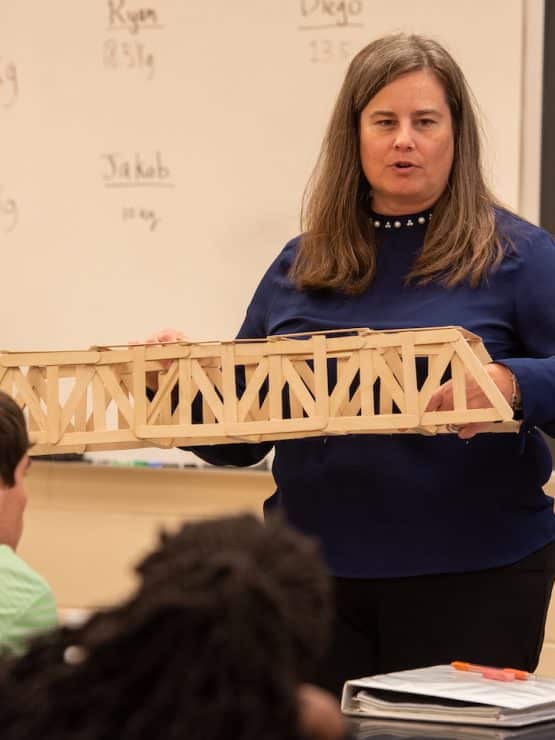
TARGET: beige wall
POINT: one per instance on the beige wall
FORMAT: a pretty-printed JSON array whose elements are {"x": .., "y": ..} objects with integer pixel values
[
  {"x": 86, "y": 525},
  {"x": 531, "y": 121}
]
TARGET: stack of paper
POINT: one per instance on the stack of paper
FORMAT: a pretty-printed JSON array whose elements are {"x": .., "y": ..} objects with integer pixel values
[
  {"x": 442, "y": 694},
  {"x": 390, "y": 729}
]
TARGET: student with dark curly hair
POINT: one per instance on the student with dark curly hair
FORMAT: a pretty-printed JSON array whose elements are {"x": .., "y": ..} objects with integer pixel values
[
  {"x": 231, "y": 618},
  {"x": 27, "y": 604}
]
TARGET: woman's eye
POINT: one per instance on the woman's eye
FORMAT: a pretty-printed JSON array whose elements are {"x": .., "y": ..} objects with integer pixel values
[
  {"x": 425, "y": 122},
  {"x": 384, "y": 122}
]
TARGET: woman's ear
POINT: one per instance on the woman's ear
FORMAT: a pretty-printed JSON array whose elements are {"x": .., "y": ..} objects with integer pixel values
[{"x": 320, "y": 716}]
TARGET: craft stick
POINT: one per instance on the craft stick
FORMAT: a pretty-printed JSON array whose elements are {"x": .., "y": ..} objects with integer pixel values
[
  {"x": 167, "y": 351},
  {"x": 209, "y": 395},
  {"x": 166, "y": 382},
  {"x": 113, "y": 386},
  {"x": 321, "y": 390},
  {"x": 297, "y": 389},
  {"x": 275, "y": 378},
  {"x": 215, "y": 430},
  {"x": 214, "y": 375},
  {"x": 25, "y": 359},
  {"x": 436, "y": 368},
  {"x": 255, "y": 378},
  {"x": 393, "y": 360},
  {"x": 41, "y": 447},
  {"x": 31, "y": 401},
  {"x": 389, "y": 387},
  {"x": 228, "y": 384},
  {"x": 409, "y": 375},
  {"x": 361, "y": 424},
  {"x": 367, "y": 379},
  {"x": 52, "y": 404},
  {"x": 123, "y": 422},
  {"x": 249, "y": 369},
  {"x": 32, "y": 375},
  {"x": 352, "y": 407},
  {"x": 304, "y": 371},
  {"x": 6, "y": 384},
  {"x": 83, "y": 376},
  {"x": 438, "y": 335},
  {"x": 139, "y": 386},
  {"x": 459, "y": 417},
  {"x": 36, "y": 381},
  {"x": 99, "y": 437},
  {"x": 80, "y": 415},
  {"x": 264, "y": 410},
  {"x": 296, "y": 408},
  {"x": 99, "y": 403},
  {"x": 458, "y": 377},
  {"x": 477, "y": 347},
  {"x": 346, "y": 372},
  {"x": 185, "y": 386},
  {"x": 115, "y": 356},
  {"x": 476, "y": 369}
]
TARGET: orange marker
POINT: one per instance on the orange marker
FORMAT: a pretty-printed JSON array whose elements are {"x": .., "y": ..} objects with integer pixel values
[
  {"x": 520, "y": 675},
  {"x": 458, "y": 665},
  {"x": 499, "y": 674}
]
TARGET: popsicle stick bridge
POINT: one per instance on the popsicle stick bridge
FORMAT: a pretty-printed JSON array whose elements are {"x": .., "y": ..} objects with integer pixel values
[{"x": 354, "y": 381}]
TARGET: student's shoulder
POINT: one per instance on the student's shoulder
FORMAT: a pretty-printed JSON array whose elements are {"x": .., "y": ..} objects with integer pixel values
[
  {"x": 16, "y": 576},
  {"x": 27, "y": 603}
]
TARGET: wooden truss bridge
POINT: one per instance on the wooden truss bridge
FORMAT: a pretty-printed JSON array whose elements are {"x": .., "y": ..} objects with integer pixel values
[{"x": 354, "y": 381}]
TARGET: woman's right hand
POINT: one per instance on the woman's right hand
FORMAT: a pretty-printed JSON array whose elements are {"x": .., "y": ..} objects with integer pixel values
[{"x": 164, "y": 336}]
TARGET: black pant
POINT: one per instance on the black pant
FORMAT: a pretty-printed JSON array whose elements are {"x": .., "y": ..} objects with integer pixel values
[{"x": 492, "y": 617}]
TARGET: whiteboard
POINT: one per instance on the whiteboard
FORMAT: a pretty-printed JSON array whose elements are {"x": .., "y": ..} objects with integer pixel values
[{"x": 154, "y": 155}]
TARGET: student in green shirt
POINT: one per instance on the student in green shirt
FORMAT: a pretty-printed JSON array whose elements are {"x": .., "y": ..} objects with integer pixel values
[{"x": 27, "y": 605}]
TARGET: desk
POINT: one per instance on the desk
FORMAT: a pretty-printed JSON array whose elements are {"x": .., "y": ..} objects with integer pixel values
[{"x": 370, "y": 729}]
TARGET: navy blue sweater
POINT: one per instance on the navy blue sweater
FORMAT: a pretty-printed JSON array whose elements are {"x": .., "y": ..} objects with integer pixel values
[{"x": 399, "y": 505}]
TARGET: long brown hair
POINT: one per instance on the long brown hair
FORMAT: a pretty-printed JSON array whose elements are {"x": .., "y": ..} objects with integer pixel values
[{"x": 337, "y": 249}]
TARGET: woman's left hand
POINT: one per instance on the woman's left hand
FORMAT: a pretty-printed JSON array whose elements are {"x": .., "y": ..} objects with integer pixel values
[{"x": 442, "y": 399}]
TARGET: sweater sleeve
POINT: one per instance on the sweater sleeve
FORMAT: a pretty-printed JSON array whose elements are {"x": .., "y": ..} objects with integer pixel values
[{"x": 535, "y": 326}]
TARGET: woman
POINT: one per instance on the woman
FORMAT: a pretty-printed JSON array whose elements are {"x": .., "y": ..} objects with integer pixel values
[{"x": 441, "y": 546}]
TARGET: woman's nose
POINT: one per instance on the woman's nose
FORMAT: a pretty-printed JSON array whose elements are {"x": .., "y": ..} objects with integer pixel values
[{"x": 404, "y": 139}]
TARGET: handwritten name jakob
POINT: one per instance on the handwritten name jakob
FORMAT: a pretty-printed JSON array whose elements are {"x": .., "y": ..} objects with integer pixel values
[{"x": 136, "y": 169}]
